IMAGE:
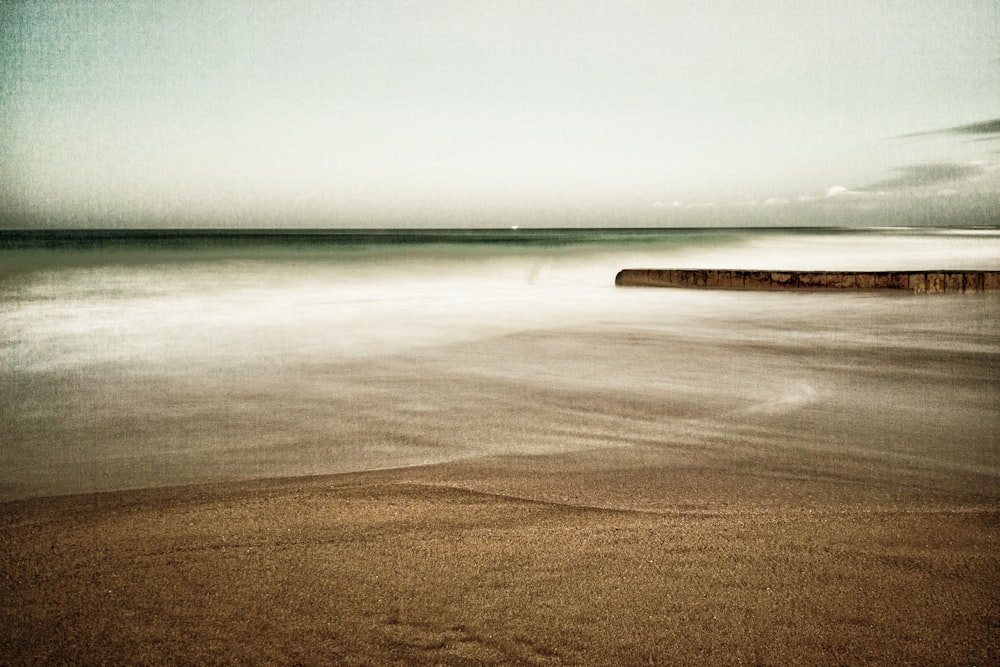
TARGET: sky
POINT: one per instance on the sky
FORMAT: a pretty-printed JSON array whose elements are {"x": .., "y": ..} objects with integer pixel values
[{"x": 387, "y": 113}]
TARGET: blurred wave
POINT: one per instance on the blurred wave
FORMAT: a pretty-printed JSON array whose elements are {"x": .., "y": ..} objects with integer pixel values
[{"x": 133, "y": 361}]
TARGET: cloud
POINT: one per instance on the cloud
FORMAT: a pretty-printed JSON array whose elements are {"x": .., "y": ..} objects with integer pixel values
[
  {"x": 988, "y": 128},
  {"x": 840, "y": 191},
  {"x": 985, "y": 127},
  {"x": 921, "y": 175}
]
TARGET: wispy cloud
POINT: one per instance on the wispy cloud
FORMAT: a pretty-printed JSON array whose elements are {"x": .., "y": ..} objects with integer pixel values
[
  {"x": 986, "y": 128},
  {"x": 921, "y": 175}
]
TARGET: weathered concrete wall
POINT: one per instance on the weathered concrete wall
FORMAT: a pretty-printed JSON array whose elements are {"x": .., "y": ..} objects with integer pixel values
[{"x": 915, "y": 281}]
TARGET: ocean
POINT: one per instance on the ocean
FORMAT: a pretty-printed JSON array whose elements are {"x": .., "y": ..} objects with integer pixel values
[{"x": 134, "y": 359}]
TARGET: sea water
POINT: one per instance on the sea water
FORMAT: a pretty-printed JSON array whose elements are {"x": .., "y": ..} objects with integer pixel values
[{"x": 132, "y": 359}]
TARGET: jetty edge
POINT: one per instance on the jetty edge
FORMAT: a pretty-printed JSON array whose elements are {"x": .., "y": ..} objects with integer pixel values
[{"x": 930, "y": 282}]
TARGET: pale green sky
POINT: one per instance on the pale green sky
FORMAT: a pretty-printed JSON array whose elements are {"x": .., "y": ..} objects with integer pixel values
[{"x": 564, "y": 112}]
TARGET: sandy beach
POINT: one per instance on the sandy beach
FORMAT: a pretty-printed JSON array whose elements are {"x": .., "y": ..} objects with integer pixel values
[
  {"x": 512, "y": 561},
  {"x": 265, "y": 463}
]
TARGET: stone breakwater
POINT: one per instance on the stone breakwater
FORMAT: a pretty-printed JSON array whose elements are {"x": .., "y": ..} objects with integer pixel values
[{"x": 913, "y": 281}]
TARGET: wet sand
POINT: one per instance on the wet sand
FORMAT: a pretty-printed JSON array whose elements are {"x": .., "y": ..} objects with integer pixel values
[{"x": 533, "y": 560}]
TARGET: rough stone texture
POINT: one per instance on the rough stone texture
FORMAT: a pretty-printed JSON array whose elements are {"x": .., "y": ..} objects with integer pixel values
[
  {"x": 974, "y": 282},
  {"x": 916, "y": 281},
  {"x": 897, "y": 280},
  {"x": 935, "y": 282},
  {"x": 865, "y": 280}
]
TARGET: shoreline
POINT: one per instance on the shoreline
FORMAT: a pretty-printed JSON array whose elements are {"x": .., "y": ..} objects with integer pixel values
[{"x": 568, "y": 474}]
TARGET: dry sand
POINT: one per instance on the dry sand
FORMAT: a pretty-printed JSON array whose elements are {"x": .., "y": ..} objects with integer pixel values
[{"x": 535, "y": 560}]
